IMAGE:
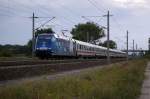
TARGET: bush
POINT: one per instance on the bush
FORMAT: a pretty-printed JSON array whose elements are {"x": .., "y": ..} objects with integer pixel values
[{"x": 5, "y": 54}]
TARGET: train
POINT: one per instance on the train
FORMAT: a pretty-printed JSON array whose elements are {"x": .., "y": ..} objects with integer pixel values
[{"x": 56, "y": 46}]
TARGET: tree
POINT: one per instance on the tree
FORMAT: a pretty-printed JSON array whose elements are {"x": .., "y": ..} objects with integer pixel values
[
  {"x": 45, "y": 30},
  {"x": 13, "y": 50},
  {"x": 87, "y": 32},
  {"x": 112, "y": 44},
  {"x": 29, "y": 47}
]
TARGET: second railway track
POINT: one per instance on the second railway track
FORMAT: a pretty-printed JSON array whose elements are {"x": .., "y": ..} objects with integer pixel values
[{"x": 38, "y": 62}]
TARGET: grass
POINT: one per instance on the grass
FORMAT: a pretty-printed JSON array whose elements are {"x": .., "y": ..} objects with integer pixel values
[{"x": 121, "y": 81}]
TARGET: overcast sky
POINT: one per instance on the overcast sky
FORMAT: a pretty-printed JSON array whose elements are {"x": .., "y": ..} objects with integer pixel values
[{"x": 132, "y": 15}]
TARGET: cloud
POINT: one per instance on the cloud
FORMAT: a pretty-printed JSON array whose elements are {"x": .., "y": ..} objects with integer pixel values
[{"x": 131, "y": 3}]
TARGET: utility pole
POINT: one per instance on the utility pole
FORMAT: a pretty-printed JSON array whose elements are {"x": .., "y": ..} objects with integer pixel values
[
  {"x": 127, "y": 45},
  {"x": 133, "y": 49},
  {"x": 149, "y": 44},
  {"x": 136, "y": 47},
  {"x": 33, "y": 34},
  {"x": 108, "y": 36}
]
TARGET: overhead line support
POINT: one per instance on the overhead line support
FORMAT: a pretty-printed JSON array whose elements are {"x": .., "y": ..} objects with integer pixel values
[
  {"x": 127, "y": 45},
  {"x": 33, "y": 34},
  {"x": 108, "y": 36}
]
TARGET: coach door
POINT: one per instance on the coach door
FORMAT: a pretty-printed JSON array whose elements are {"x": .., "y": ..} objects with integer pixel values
[{"x": 74, "y": 48}]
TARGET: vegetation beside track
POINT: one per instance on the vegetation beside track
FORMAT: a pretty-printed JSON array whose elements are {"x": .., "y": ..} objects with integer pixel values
[{"x": 121, "y": 81}]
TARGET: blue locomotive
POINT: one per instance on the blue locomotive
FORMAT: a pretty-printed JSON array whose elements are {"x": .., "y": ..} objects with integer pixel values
[{"x": 53, "y": 45}]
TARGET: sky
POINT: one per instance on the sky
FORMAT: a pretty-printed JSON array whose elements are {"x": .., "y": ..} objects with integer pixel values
[{"x": 131, "y": 15}]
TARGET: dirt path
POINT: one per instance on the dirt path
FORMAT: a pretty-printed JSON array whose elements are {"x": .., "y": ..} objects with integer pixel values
[{"x": 145, "y": 92}]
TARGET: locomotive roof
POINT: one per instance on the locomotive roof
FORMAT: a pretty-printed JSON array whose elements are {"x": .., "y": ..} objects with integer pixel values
[
  {"x": 96, "y": 46},
  {"x": 55, "y": 35},
  {"x": 89, "y": 44}
]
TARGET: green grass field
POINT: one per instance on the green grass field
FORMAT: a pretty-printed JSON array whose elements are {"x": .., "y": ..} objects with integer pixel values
[{"x": 121, "y": 81}]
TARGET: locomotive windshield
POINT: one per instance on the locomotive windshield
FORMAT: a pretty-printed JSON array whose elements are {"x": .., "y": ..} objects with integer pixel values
[{"x": 45, "y": 41}]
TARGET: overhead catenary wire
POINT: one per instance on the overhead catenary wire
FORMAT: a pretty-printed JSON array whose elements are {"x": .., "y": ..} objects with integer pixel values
[
  {"x": 101, "y": 5},
  {"x": 15, "y": 12},
  {"x": 12, "y": 8},
  {"x": 92, "y": 3},
  {"x": 61, "y": 17},
  {"x": 46, "y": 10},
  {"x": 65, "y": 18},
  {"x": 45, "y": 23},
  {"x": 113, "y": 18},
  {"x": 93, "y": 21}
]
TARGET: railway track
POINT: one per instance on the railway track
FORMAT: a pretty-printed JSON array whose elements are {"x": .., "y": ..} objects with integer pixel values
[
  {"x": 21, "y": 69},
  {"x": 37, "y": 62}
]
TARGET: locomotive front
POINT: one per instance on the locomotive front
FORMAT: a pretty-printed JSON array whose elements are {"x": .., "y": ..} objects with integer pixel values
[{"x": 45, "y": 44}]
